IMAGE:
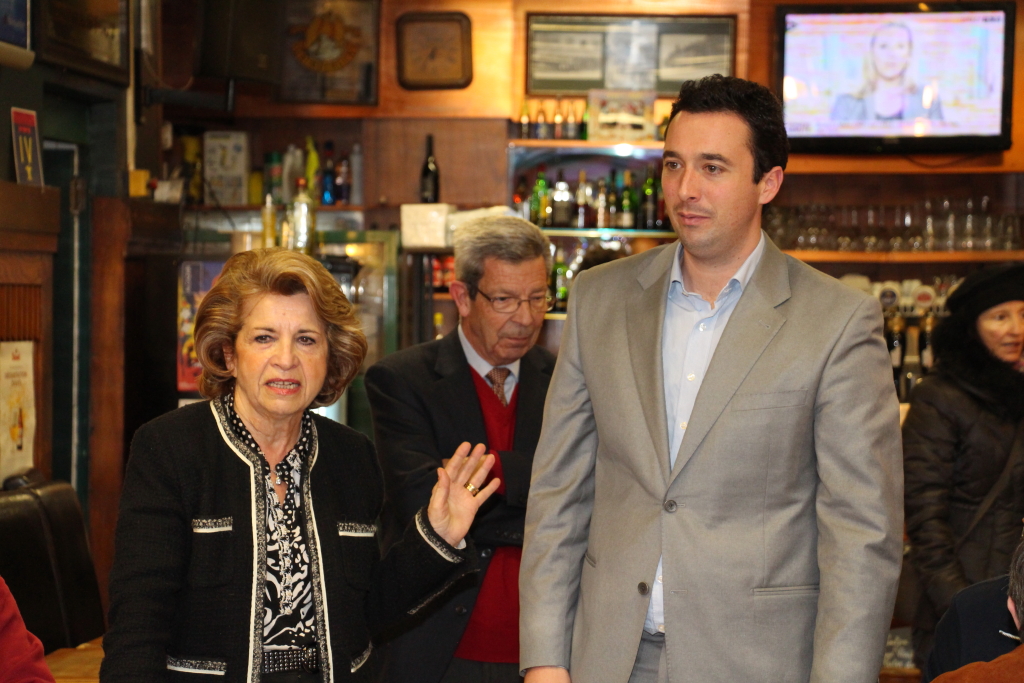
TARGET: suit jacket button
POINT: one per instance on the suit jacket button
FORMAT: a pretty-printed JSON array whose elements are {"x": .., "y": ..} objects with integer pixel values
[
  {"x": 643, "y": 589},
  {"x": 670, "y": 506},
  {"x": 461, "y": 610},
  {"x": 485, "y": 553}
]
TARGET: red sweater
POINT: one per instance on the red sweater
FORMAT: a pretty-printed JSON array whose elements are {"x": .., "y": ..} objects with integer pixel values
[
  {"x": 492, "y": 634},
  {"x": 21, "y": 653}
]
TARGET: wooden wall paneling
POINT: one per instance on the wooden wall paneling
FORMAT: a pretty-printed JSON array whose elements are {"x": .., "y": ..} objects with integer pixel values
[
  {"x": 28, "y": 209},
  {"x": 762, "y": 70},
  {"x": 111, "y": 230},
  {"x": 470, "y": 158}
]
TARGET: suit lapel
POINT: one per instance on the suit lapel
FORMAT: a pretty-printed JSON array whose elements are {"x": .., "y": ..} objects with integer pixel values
[
  {"x": 752, "y": 326},
  {"x": 456, "y": 389},
  {"x": 645, "y": 317},
  {"x": 532, "y": 389}
]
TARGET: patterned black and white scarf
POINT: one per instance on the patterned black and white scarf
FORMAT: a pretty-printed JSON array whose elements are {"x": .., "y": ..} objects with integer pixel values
[{"x": 289, "y": 618}]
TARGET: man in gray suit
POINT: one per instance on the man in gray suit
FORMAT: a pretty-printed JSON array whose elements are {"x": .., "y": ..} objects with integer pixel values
[{"x": 717, "y": 492}]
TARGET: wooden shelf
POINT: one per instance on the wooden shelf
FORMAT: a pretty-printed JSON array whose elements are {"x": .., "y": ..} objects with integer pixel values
[
  {"x": 583, "y": 144},
  {"x": 555, "y": 316},
  {"x": 809, "y": 256},
  {"x": 607, "y": 233},
  {"x": 442, "y": 296},
  {"x": 278, "y": 207}
]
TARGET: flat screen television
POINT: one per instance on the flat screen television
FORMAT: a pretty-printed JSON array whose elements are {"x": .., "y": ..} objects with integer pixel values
[{"x": 896, "y": 79}]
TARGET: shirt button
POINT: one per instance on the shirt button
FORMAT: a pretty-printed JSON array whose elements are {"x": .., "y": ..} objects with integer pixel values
[
  {"x": 659, "y": 579},
  {"x": 682, "y": 425},
  {"x": 661, "y": 628},
  {"x": 691, "y": 377},
  {"x": 703, "y": 327}
]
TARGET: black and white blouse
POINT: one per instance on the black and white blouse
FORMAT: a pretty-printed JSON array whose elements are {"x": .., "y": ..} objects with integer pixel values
[{"x": 289, "y": 619}]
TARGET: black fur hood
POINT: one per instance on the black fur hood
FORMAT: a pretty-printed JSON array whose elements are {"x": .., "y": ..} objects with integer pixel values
[{"x": 964, "y": 359}]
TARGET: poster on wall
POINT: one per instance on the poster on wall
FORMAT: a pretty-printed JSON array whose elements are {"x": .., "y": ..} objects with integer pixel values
[
  {"x": 14, "y": 23},
  {"x": 17, "y": 406},
  {"x": 330, "y": 51},
  {"x": 194, "y": 280},
  {"x": 28, "y": 153}
]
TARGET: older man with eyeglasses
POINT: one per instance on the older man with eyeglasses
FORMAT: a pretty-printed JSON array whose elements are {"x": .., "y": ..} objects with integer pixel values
[{"x": 483, "y": 383}]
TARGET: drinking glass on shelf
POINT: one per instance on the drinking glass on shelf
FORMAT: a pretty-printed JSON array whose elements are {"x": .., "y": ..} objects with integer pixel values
[
  {"x": 1010, "y": 237},
  {"x": 871, "y": 230},
  {"x": 949, "y": 226},
  {"x": 967, "y": 242}
]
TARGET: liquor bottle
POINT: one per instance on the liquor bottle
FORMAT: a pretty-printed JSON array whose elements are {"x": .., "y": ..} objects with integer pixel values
[
  {"x": 582, "y": 203},
  {"x": 561, "y": 202},
  {"x": 649, "y": 202},
  {"x": 572, "y": 129},
  {"x": 613, "y": 201},
  {"x": 272, "y": 175},
  {"x": 541, "y": 130},
  {"x": 291, "y": 170},
  {"x": 521, "y": 198},
  {"x": 627, "y": 214},
  {"x": 313, "y": 173},
  {"x": 355, "y": 165},
  {"x": 343, "y": 183},
  {"x": 327, "y": 193},
  {"x": 524, "y": 121},
  {"x": 538, "y": 200},
  {"x": 430, "y": 189},
  {"x": 303, "y": 223},
  {"x": 925, "y": 341},
  {"x": 584, "y": 122},
  {"x": 895, "y": 342},
  {"x": 601, "y": 205},
  {"x": 560, "y": 281},
  {"x": 269, "y": 217},
  {"x": 557, "y": 127}
]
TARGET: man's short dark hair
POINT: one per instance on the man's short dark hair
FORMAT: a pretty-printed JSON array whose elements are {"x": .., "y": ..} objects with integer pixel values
[
  {"x": 754, "y": 103},
  {"x": 1016, "y": 589}
]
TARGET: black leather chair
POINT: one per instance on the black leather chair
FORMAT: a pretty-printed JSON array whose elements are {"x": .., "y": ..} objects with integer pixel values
[
  {"x": 45, "y": 560},
  {"x": 29, "y": 569}
]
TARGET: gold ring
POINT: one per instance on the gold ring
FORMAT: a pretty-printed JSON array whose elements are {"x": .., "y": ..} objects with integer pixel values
[{"x": 472, "y": 489}]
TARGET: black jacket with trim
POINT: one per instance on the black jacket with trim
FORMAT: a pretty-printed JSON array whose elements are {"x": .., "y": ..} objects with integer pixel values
[{"x": 186, "y": 589}]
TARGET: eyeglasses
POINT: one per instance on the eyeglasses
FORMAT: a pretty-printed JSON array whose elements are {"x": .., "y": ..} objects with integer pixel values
[{"x": 510, "y": 304}]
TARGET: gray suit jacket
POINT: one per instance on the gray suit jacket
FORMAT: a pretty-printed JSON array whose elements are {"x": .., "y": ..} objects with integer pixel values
[{"x": 781, "y": 523}]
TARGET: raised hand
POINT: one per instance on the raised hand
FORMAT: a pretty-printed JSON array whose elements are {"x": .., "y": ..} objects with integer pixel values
[{"x": 459, "y": 492}]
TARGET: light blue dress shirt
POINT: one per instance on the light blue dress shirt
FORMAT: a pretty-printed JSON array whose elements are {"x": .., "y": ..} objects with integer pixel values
[
  {"x": 477, "y": 362},
  {"x": 688, "y": 341}
]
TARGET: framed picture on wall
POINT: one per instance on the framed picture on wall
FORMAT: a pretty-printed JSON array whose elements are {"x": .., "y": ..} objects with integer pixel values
[
  {"x": 330, "y": 51},
  {"x": 85, "y": 36},
  {"x": 15, "y": 23},
  {"x": 570, "y": 55}
]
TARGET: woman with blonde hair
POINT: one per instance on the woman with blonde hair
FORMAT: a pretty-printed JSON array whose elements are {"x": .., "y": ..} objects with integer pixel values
[
  {"x": 889, "y": 92},
  {"x": 246, "y": 544}
]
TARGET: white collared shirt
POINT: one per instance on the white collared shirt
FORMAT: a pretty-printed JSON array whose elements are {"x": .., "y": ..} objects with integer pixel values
[
  {"x": 688, "y": 341},
  {"x": 482, "y": 367}
]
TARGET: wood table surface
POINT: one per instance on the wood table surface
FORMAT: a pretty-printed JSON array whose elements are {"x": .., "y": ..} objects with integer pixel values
[{"x": 77, "y": 664}]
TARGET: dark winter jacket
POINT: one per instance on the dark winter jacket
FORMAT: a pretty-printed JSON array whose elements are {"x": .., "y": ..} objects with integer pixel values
[
  {"x": 186, "y": 590},
  {"x": 956, "y": 441}
]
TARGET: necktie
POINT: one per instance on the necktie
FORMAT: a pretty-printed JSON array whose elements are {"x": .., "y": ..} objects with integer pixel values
[{"x": 497, "y": 377}]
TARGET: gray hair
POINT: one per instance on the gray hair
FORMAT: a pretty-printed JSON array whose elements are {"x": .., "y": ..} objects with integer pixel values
[
  {"x": 506, "y": 238},
  {"x": 1016, "y": 589}
]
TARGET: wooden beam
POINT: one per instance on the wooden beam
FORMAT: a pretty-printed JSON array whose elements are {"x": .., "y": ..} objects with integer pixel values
[{"x": 111, "y": 219}]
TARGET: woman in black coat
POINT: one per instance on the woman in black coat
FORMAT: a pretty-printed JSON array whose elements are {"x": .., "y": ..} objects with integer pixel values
[
  {"x": 957, "y": 440},
  {"x": 246, "y": 544}
]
